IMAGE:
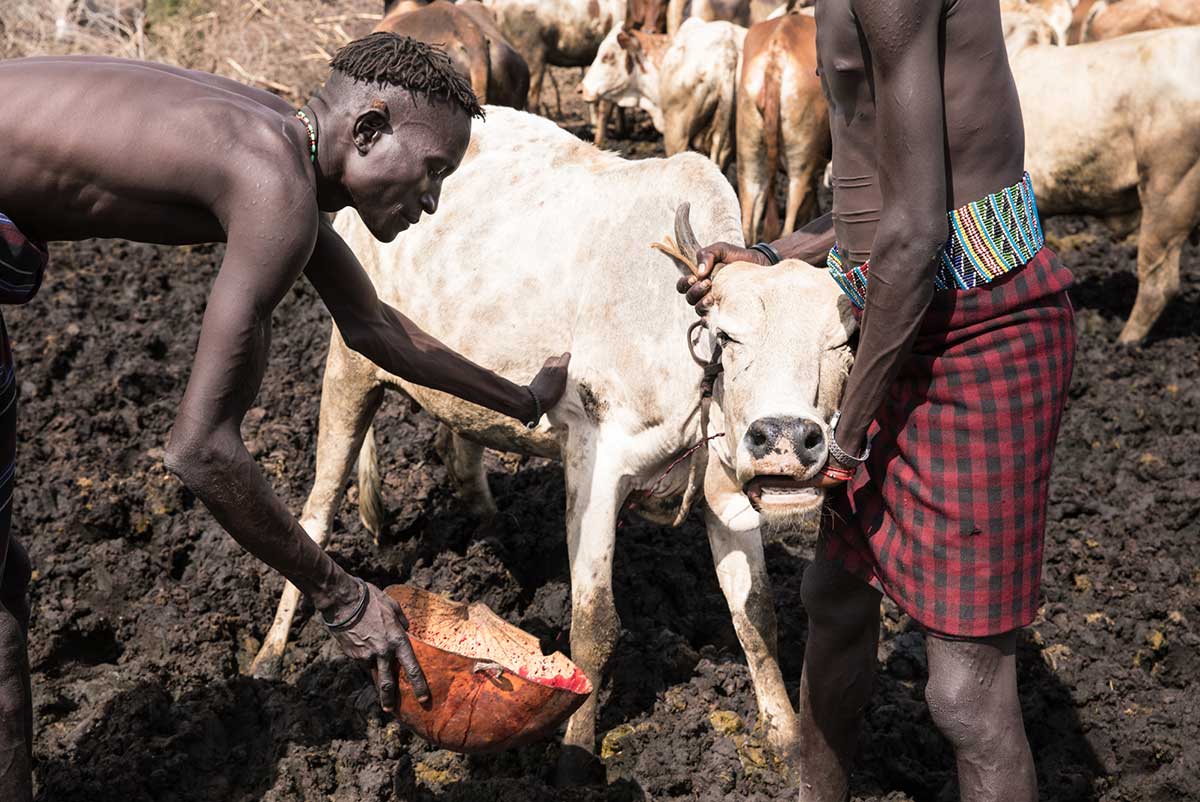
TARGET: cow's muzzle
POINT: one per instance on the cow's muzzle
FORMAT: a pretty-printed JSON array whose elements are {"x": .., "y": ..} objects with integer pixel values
[{"x": 784, "y": 453}]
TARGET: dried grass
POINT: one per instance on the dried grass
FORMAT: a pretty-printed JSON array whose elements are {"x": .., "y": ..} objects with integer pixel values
[{"x": 280, "y": 45}]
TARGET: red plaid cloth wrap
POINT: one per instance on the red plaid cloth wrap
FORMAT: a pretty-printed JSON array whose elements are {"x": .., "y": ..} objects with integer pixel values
[
  {"x": 948, "y": 514},
  {"x": 22, "y": 265}
]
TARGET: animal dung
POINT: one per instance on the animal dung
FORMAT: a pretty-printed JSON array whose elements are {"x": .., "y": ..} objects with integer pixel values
[{"x": 490, "y": 686}]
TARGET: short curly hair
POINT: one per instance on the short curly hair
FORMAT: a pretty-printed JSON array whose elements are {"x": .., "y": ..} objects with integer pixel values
[{"x": 390, "y": 59}]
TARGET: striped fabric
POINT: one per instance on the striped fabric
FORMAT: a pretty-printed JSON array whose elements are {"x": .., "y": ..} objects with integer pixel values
[
  {"x": 988, "y": 238},
  {"x": 22, "y": 265}
]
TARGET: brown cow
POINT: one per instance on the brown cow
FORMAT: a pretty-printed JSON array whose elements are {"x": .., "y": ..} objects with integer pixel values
[
  {"x": 1109, "y": 20},
  {"x": 781, "y": 111},
  {"x": 498, "y": 73}
]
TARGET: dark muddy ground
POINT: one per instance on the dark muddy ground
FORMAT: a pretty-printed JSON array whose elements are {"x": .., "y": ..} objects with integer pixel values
[{"x": 146, "y": 611}]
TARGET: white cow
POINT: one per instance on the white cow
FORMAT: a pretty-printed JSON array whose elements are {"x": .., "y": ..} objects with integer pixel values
[
  {"x": 1113, "y": 129},
  {"x": 687, "y": 83},
  {"x": 543, "y": 242},
  {"x": 564, "y": 33}
]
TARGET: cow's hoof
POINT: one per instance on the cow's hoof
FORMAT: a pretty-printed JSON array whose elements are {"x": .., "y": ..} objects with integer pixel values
[{"x": 577, "y": 767}]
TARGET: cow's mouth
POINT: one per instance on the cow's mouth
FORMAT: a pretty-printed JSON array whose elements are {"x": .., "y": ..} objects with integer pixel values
[{"x": 769, "y": 494}]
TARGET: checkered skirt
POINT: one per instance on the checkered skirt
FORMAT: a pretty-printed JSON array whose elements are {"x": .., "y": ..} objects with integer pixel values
[{"x": 948, "y": 514}]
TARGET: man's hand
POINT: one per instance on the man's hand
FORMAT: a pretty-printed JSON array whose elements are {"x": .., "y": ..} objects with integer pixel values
[
  {"x": 380, "y": 640},
  {"x": 550, "y": 383},
  {"x": 710, "y": 259}
]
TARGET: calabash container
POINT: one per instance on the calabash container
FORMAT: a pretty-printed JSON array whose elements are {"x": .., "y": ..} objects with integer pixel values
[{"x": 491, "y": 687}]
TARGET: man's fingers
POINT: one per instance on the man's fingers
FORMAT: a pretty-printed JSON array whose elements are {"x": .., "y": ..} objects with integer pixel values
[
  {"x": 416, "y": 677},
  {"x": 697, "y": 292},
  {"x": 386, "y": 682},
  {"x": 684, "y": 282}
]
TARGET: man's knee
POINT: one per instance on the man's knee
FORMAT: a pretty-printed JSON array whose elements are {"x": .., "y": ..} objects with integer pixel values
[
  {"x": 838, "y": 601},
  {"x": 971, "y": 691}
]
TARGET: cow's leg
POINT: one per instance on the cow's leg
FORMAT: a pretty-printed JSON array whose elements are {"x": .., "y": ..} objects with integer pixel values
[
  {"x": 350, "y": 396},
  {"x": 464, "y": 461},
  {"x": 594, "y": 494},
  {"x": 752, "y": 168},
  {"x": 1170, "y": 210},
  {"x": 601, "y": 112},
  {"x": 733, "y": 534}
]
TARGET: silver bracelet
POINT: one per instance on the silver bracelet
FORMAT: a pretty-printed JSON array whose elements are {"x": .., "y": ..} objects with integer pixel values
[
  {"x": 537, "y": 408},
  {"x": 836, "y": 450},
  {"x": 355, "y": 616}
]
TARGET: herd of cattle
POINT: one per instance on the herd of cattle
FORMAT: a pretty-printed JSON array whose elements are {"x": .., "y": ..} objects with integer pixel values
[{"x": 564, "y": 263}]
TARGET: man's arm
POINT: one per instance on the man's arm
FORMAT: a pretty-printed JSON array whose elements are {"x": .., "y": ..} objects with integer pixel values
[
  {"x": 392, "y": 341},
  {"x": 910, "y": 145},
  {"x": 810, "y": 243},
  {"x": 206, "y": 449}
]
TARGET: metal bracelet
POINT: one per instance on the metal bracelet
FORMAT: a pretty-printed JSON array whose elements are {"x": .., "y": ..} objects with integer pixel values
[
  {"x": 537, "y": 408},
  {"x": 354, "y": 617},
  {"x": 836, "y": 450},
  {"x": 766, "y": 250}
]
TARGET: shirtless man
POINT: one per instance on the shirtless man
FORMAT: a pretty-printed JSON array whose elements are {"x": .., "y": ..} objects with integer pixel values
[
  {"x": 99, "y": 147},
  {"x": 940, "y": 456}
]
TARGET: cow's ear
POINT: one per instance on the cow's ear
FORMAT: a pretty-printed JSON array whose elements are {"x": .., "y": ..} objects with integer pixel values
[{"x": 847, "y": 325}]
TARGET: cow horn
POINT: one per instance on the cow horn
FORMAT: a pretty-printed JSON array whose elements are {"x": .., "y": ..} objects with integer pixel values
[{"x": 685, "y": 237}]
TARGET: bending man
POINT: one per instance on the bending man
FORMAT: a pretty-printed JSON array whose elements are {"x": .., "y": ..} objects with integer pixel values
[{"x": 101, "y": 147}]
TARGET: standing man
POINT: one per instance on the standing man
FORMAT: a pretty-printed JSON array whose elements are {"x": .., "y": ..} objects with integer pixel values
[
  {"x": 940, "y": 456},
  {"x": 101, "y": 147}
]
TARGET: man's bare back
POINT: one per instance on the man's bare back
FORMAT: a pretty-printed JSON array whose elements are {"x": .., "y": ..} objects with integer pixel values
[{"x": 101, "y": 147}]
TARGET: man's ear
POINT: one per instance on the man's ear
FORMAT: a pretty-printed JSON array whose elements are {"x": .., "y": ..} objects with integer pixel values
[{"x": 370, "y": 125}]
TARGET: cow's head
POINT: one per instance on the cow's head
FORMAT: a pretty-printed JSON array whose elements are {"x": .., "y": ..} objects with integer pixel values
[
  {"x": 618, "y": 67},
  {"x": 784, "y": 338},
  {"x": 1025, "y": 25}
]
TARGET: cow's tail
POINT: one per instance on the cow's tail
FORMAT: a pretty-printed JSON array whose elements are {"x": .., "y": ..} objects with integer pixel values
[
  {"x": 769, "y": 102},
  {"x": 370, "y": 487}
]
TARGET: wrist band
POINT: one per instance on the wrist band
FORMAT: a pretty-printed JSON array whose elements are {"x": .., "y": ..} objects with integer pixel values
[
  {"x": 836, "y": 450},
  {"x": 838, "y": 474},
  {"x": 766, "y": 250},
  {"x": 354, "y": 617},
  {"x": 537, "y": 408}
]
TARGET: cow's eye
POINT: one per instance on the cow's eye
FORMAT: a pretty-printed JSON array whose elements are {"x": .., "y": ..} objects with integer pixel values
[{"x": 724, "y": 339}]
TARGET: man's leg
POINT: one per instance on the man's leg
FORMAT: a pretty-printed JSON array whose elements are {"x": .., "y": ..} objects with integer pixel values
[
  {"x": 839, "y": 671},
  {"x": 972, "y": 696},
  {"x": 16, "y": 711}
]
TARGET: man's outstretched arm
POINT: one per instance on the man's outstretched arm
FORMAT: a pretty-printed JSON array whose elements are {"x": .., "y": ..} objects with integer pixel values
[
  {"x": 911, "y": 157},
  {"x": 206, "y": 449},
  {"x": 389, "y": 339}
]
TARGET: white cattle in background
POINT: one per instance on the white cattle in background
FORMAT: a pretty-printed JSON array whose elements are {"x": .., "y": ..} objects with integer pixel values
[
  {"x": 687, "y": 83},
  {"x": 1112, "y": 129}
]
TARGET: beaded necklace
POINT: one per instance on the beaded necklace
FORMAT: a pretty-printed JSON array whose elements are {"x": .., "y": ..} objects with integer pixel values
[{"x": 312, "y": 135}]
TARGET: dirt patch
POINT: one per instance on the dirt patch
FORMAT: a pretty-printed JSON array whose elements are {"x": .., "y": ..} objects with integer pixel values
[{"x": 145, "y": 610}]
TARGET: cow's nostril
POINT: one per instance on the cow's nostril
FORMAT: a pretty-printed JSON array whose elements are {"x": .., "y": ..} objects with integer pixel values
[
  {"x": 812, "y": 440},
  {"x": 758, "y": 437}
]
